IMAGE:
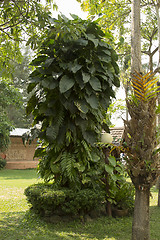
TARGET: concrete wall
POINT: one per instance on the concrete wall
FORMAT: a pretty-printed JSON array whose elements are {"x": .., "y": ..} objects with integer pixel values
[{"x": 19, "y": 156}]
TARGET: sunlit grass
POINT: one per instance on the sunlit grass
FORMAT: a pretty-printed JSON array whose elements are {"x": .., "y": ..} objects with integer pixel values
[{"x": 17, "y": 222}]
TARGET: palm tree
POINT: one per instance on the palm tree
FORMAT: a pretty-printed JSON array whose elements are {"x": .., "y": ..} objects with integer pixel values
[{"x": 140, "y": 133}]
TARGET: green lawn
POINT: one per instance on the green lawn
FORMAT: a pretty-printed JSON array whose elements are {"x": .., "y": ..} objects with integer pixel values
[{"x": 18, "y": 223}]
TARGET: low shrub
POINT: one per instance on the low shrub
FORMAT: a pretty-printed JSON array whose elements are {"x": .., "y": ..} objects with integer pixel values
[
  {"x": 123, "y": 196},
  {"x": 2, "y": 163},
  {"x": 47, "y": 200}
]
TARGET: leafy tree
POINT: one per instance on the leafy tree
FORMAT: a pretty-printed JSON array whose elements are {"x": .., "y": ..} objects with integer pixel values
[
  {"x": 20, "y": 81},
  {"x": 75, "y": 71},
  {"x": 115, "y": 16},
  {"x": 9, "y": 95},
  {"x": 20, "y": 21}
]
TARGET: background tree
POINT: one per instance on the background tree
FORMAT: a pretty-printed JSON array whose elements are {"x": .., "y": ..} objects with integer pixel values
[
  {"x": 9, "y": 95},
  {"x": 115, "y": 17},
  {"x": 20, "y": 21},
  {"x": 72, "y": 87},
  {"x": 20, "y": 81}
]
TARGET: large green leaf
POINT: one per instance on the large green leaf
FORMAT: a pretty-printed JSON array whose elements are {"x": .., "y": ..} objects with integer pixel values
[
  {"x": 82, "y": 42},
  {"x": 31, "y": 104},
  {"x": 115, "y": 177},
  {"x": 79, "y": 80},
  {"x": 95, "y": 83},
  {"x": 116, "y": 81},
  {"x": 93, "y": 101},
  {"x": 51, "y": 134},
  {"x": 109, "y": 169},
  {"x": 116, "y": 67},
  {"x": 114, "y": 55},
  {"x": 112, "y": 160},
  {"x": 47, "y": 81},
  {"x": 105, "y": 59},
  {"x": 31, "y": 86},
  {"x": 53, "y": 85},
  {"x": 106, "y": 51},
  {"x": 90, "y": 137},
  {"x": 48, "y": 62},
  {"x": 104, "y": 44},
  {"x": 76, "y": 67},
  {"x": 66, "y": 83},
  {"x": 86, "y": 77},
  {"x": 110, "y": 75},
  {"x": 35, "y": 73},
  {"x": 81, "y": 105},
  {"x": 92, "y": 38},
  {"x": 37, "y": 61}
]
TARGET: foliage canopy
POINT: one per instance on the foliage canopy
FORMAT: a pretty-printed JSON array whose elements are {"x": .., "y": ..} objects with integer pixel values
[
  {"x": 9, "y": 96},
  {"x": 20, "y": 22},
  {"x": 75, "y": 71}
]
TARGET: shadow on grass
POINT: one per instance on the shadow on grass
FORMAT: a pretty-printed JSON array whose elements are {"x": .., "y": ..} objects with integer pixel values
[
  {"x": 9, "y": 174},
  {"x": 27, "y": 225}
]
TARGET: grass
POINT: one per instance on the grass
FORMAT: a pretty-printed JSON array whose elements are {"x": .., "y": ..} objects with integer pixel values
[{"x": 17, "y": 222}]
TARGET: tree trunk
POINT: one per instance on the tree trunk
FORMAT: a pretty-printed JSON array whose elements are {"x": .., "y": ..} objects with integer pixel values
[
  {"x": 159, "y": 192},
  {"x": 158, "y": 181},
  {"x": 158, "y": 26},
  {"x": 107, "y": 187},
  {"x": 140, "y": 227},
  {"x": 136, "y": 64}
]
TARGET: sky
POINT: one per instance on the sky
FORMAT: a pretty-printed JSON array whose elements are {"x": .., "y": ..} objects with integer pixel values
[{"x": 70, "y": 6}]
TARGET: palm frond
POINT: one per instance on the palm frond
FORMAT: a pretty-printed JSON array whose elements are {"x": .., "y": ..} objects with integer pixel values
[
  {"x": 67, "y": 166},
  {"x": 87, "y": 149},
  {"x": 145, "y": 86}
]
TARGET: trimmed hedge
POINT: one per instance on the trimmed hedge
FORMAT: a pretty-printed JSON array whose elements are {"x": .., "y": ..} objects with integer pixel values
[
  {"x": 46, "y": 200},
  {"x": 2, "y": 163}
]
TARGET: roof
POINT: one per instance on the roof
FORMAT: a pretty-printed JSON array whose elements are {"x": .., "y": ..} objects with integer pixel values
[
  {"x": 18, "y": 132},
  {"x": 117, "y": 134}
]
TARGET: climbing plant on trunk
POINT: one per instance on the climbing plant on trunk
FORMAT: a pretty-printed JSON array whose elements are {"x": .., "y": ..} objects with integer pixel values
[
  {"x": 142, "y": 161},
  {"x": 75, "y": 71},
  {"x": 140, "y": 134}
]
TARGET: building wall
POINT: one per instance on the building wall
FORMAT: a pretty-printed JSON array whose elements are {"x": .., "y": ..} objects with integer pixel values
[{"x": 19, "y": 156}]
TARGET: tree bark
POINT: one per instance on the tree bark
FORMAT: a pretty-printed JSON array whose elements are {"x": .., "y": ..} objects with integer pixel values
[
  {"x": 140, "y": 227},
  {"x": 157, "y": 6},
  {"x": 159, "y": 192},
  {"x": 158, "y": 181},
  {"x": 141, "y": 140},
  {"x": 107, "y": 187},
  {"x": 136, "y": 64}
]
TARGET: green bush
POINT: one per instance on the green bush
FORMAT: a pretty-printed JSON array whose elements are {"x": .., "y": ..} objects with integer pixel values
[
  {"x": 2, "y": 163},
  {"x": 47, "y": 200},
  {"x": 123, "y": 196}
]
